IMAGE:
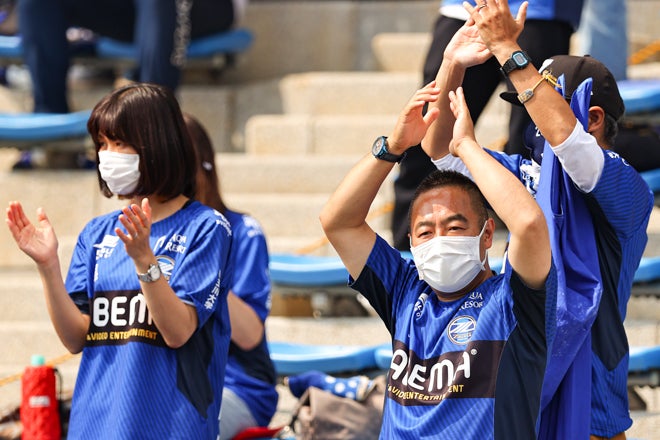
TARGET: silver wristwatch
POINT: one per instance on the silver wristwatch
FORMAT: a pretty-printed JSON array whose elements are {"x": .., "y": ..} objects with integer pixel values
[{"x": 152, "y": 274}]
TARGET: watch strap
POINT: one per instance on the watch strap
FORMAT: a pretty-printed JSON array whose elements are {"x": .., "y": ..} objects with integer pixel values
[
  {"x": 394, "y": 158},
  {"x": 510, "y": 65},
  {"x": 147, "y": 277},
  {"x": 384, "y": 154}
]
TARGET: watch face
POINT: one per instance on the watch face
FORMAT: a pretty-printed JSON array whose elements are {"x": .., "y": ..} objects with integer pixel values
[
  {"x": 378, "y": 147},
  {"x": 519, "y": 58}
]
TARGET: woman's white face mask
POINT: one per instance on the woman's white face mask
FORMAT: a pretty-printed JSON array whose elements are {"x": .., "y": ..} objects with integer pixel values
[
  {"x": 448, "y": 264},
  {"x": 120, "y": 171}
]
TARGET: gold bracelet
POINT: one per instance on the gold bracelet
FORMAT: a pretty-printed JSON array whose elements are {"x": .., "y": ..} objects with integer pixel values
[{"x": 528, "y": 94}]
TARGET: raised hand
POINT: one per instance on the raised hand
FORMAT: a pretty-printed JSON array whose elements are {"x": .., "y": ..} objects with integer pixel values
[
  {"x": 412, "y": 124},
  {"x": 38, "y": 242},
  {"x": 463, "y": 127},
  {"x": 137, "y": 222},
  {"x": 495, "y": 23},
  {"x": 466, "y": 47}
]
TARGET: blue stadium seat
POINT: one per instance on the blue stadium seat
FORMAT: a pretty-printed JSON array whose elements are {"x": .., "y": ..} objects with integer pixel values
[
  {"x": 652, "y": 178},
  {"x": 383, "y": 355},
  {"x": 646, "y": 360},
  {"x": 313, "y": 271},
  {"x": 10, "y": 47},
  {"x": 231, "y": 42},
  {"x": 24, "y": 130},
  {"x": 292, "y": 358},
  {"x": 640, "y": 95},
  {"x": 307, "y": 270},
  {"x": 643, "y": 371}
]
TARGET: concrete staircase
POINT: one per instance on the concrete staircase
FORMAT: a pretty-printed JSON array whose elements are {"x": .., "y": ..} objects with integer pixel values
[{"x": 284, "y": 143}]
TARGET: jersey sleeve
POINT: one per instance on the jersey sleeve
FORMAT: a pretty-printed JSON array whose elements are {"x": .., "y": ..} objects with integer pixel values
[
  {"x": 386, "y": 280},
  {"x": 623, "y": 196},
  {"x": 203, "y": 276}
]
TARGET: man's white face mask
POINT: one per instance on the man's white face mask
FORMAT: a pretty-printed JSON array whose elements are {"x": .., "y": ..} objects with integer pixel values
[
  {"x": 120, "y": 171},
  {"x": 448, "y": 264}
]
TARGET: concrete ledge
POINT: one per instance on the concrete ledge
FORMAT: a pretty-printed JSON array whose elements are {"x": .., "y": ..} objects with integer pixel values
[
  {"x": 278, "y": 134},
  {"x": 642, "y": 331},
  {"x": 347, "y": 93},
  {"x": 293, "y": 214},
  {"x": 279, "y": 174},
  {"x": 319, "y": 135},
  {"x": 401, "y": 52}
]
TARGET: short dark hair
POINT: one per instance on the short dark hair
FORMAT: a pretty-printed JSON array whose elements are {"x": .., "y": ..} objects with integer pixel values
[
  {"x": 611, "y": 130},
  {"x": 443, "y": 178},
  {"x": 148, "y": 117}
]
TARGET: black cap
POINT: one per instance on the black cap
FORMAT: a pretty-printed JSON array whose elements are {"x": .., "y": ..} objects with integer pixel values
[{"x": 604, "y": 90}]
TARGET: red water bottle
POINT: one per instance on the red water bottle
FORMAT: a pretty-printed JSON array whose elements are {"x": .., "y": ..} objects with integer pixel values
[{"x": 40, "y": 415}]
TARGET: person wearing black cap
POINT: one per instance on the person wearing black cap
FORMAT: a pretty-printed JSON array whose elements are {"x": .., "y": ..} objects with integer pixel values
[{"x": 618, "y": 203}]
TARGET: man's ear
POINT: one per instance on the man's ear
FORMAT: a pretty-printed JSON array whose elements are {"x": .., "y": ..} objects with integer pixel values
[
  {"x": 596, "y": 120},
  {"x": 489, "y": 232}
]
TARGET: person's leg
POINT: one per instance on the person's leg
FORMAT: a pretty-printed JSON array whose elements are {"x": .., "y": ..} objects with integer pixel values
[
  {"x": 211, "y": 16},
  {"x": 42, "y": 25},
  {"x": 235, "y": 416},
  {"x": 541, "y": 39},
  {"x": 155, "y": 24},
  {"x": 163, "y": 29},
  {"x": 479, "y": 84},
  {"x": 603, "y": 34}
]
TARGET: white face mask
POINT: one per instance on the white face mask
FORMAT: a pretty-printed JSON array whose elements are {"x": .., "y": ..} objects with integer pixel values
[
  {"x": 120, "y": 171},
  {"x": 448, "y": 264}
]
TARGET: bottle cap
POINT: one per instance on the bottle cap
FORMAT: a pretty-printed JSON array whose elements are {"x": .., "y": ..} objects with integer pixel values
[{"x": 37, "y": 360}]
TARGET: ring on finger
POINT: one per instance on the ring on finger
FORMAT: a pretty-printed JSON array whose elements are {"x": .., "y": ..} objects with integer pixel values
[{"x": 481, "y": 6}]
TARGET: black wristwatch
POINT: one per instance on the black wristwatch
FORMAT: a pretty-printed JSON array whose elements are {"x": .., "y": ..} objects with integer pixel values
[
  {"x": 379, "y": 150},
  {"x": 152, "y": 274},
  {"x": 518, "y": 60}
]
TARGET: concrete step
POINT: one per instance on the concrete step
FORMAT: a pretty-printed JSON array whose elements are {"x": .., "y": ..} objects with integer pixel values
[
  {"x": 350, "y": 134},
  {"x": 401, "y": 51},
  {"x": 324, "y": 135},
  {"x": 290, "y": 215},
  {"x": 280, "y": 174},
  {"x": 347, "y": 93}
]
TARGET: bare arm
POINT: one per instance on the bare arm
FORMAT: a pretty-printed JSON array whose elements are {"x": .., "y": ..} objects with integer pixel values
[
  {"x": 40, "y": 244},
  {"x": 176, "y": 320},
  {"x": 247, "y": 330},
  {"x": 529, "y": 246},
  {"x": 499, "y": 31},
  {"x": 343, "y": 218},
  {"x": 465, "y": 49}
]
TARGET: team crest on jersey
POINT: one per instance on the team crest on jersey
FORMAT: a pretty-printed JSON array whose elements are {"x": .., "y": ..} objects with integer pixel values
[
  {"x": 107, "y": 245},
  {"x": 460, "y": 329},
  {"x": 166, "y": 265}
]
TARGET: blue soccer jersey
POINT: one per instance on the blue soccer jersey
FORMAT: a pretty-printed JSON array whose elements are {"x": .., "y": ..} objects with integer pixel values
[
  {"x": 251, "y": 374},
  {"x": 621, "y": 205},
  {"x": 470, "y": 368},
  {"x": 130, "y": 384}
]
